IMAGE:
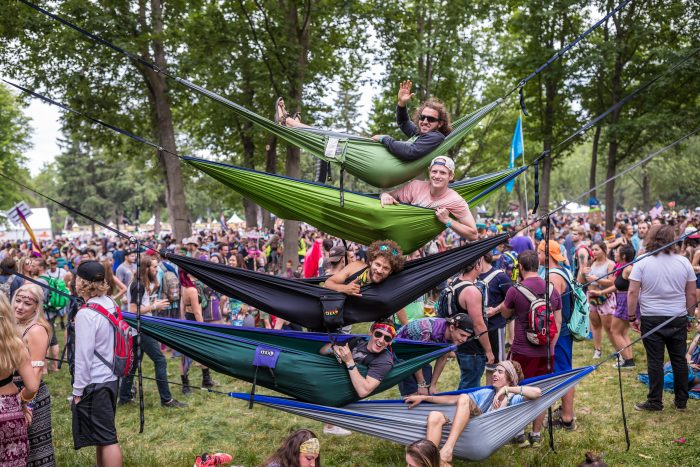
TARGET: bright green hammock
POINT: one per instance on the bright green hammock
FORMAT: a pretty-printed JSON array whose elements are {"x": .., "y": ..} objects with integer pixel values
[
  {"x": 299, "y": 371},
  {"x": 361, "y": 219},
  {"x": 362, "y": 157}
]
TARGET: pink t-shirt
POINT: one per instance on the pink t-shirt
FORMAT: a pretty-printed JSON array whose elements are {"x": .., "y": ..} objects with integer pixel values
[{"x": 417, "y": 192}]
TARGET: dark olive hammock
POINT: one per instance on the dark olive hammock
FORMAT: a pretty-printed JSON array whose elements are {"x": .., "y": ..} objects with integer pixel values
[
  {"x": 298, "y": 370},
  {"x": 361, "y": 218},
  {"x": 317, "y": 307}
]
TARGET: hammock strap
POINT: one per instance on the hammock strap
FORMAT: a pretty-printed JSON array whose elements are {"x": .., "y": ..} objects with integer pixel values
[
  {"x": 522, "y": 102},
  {"x": 342, "y": 187},
  {"x": 622, "y": 401},
  {"x": 548, "y": 309}
]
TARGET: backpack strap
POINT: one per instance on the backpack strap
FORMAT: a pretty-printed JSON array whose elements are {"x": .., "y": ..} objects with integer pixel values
[
  {"x": 486, "y": 280},
  {"x": 526, "y": 292},
  {"x": 114, "y": 321}
]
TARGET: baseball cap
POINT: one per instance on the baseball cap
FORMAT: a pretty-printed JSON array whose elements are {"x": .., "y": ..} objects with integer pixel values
[
  {"x": 336, "y": 253},
  {"x": 91, "y": 271},
  {"x": 692, "y": 232},
  {"x": 462, "y": 321},
  {"x": 190, "y": 241},
  {"x": 444, "y": 160},
  {"x": 554, "y": 250}
]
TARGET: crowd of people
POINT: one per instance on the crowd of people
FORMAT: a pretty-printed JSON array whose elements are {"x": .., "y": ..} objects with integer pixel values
[{"x": 486, "y": 310}]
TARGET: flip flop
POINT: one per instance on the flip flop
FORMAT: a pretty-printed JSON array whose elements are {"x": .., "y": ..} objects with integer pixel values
[{"x": 283, "y": 120}]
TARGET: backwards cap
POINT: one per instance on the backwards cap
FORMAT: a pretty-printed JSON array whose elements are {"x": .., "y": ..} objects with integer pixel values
[{"x": 445, "y": 161}]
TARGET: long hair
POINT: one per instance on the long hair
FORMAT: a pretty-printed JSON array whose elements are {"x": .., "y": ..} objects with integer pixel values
[
  {"x": 660, "y": 236},
  {"x": 35, "y": 292},
  {"x": 439, "y": 107},
  {"x": 109, "y": 275},
  {"x": 424, "y": 453},
  {"x": 287, "y": 455},
  {"x": 12, "y": 350},
  {"x": 145, "y": 273}
]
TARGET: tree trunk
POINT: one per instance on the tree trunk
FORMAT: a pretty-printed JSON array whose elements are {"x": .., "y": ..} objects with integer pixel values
[
  {"x": 156, "y": 219},
  {"x": 646, "y": 188},
  {"x": 594, "y": 162},
  {"x": 180, "y": 221},
  {"x": 550, "y": 86},
  {"x": 270, "y": 167},
  {"x": 610, "y": 187}
]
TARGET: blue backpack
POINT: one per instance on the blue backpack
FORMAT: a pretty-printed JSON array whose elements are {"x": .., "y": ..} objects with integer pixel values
[{"x": 578, "y": 321}]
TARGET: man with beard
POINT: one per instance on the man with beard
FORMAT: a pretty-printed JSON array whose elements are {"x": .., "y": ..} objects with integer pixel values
[
  {"x": 435, "y": 193},
  {"x": 384, "y": 258},
  {"x": 372, "y": 353}
]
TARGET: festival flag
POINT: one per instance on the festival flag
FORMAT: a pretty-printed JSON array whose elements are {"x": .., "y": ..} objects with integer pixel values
[
  {"x": 656, "y": 210},
  {"x": 36, "y": 251},
  {"x": 517, "y": 148}
]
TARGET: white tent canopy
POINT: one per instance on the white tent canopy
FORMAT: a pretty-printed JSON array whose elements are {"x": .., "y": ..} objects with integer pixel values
[
  {"x": 235, "y": 219},
  {"x": 39, "y": 221}
]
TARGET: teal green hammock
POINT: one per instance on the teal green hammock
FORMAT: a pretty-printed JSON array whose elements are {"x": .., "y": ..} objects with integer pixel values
[
  {"x": 284, "y": 361},
  {"x": 361, "y": 219},
  {"x": 362, "y": 157}
]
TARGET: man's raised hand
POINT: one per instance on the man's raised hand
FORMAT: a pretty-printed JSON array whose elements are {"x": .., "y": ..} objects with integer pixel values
[{"x": 405, "y": 93}]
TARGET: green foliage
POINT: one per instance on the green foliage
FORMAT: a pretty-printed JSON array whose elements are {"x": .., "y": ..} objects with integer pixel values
[{"x": 14, "y": 141}]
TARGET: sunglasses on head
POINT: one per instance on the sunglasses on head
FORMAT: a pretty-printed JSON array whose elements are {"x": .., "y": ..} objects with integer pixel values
[
  {"x": 430, "y": 119},
  {"x": 381, "y": 335},
  {"x": 394, "y": 252}
]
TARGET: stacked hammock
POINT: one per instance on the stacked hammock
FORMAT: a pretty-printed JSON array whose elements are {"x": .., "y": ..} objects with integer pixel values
[
  {"x": 361, "y": 218},
  {"x": 362, "y": 157},
  {"x": 299, "y": 370},
  {"x": 394, "y": 421},
  {"x": 304, "y": 303}
]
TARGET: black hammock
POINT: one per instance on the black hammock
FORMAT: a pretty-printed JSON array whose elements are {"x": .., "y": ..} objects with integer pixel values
[{"x": 317, "y": 307}]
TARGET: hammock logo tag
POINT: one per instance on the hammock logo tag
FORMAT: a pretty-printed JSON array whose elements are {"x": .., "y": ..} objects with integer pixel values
[
  {"x": 265, "y": 356},
  {"x": 331, "y": 313}
]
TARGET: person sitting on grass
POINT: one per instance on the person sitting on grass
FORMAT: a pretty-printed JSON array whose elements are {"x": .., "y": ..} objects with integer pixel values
[
  {"x": 300, "y": 449},
  {"x": 505, "y": 391},
  {"x": 430, "y": 125},
  {"x": 384, "y": 258}
]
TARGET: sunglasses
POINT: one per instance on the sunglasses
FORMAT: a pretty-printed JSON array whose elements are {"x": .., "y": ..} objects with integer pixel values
[
  {"x": 428, "y": 118},
  {"x": 381, "y": 335},
  {"x": 394, "y": 252}
]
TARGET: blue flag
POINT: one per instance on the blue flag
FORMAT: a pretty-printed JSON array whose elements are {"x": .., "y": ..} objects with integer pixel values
[{"x": 516, "y": 150}]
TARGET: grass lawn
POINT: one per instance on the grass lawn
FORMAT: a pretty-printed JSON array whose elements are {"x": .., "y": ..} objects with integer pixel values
[{"x": 214, "y": 422}]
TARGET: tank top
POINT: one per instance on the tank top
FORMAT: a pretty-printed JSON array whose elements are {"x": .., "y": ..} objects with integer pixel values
[
  {"x": 472, "y": 346},
  {"x": 621, "y": 284},
  {"x": 599, "y": 271}
]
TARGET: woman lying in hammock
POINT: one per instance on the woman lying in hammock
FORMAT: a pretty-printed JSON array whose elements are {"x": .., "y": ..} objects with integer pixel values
[
  {"x": 505, "y": 392},
  {"x": 430, "y": 125}
]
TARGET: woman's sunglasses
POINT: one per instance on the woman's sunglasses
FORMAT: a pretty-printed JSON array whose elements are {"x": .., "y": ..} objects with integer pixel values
[
  {"x": 381, "y": 335},
  {"x": 428, "y": 118}
]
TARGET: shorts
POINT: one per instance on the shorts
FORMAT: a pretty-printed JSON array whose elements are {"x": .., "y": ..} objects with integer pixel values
[
  {"x": 93, "y": 416},
  {"x": 532, "y": 366},
  {"x": 563, "y": 353},
  {"x": 697, "y": 281},
  {"x": 607, "y": 308},
  {"x": 497, "y": 338}
]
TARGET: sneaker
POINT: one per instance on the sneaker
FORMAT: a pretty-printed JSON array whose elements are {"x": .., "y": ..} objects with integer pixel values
[
  {"x": 521, "y": 441},
  {"x": 647, "y": 406},
  {"x": 126, "y": 402},
  {"x": 680, "y": 408},
  {"x": 560, "y": 424},
  {"x": 535, "y": 440},
  {"x": 625, "y": 364},
  {"x": 209, "y": 460},
  {"x": 597, "y": 354},
  {"x": 174, "y": 404},
  {"x": 336, "y": 431}
]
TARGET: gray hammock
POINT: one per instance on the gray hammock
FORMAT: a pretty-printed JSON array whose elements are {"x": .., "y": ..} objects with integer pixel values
[{"x": 394, "y": 421}]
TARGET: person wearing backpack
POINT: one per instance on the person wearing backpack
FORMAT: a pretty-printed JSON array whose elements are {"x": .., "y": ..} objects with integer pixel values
[
  {"x": 497, "y": 283},
  {"x": 475, "y": 354},
  {"x": 560, "y": 278},
  {"x": 532, "y": 356},
  {"x": 9, "y": 281},
  {"x": 94, "y": 382}
]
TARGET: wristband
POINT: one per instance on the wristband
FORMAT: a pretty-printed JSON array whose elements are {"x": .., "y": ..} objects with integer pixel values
[
  {"x": 21, "y": 396},
  {"x": 448, "y": 224},
  {"x": 351, "y": 367},
  {"x": 424, "y": 384}
]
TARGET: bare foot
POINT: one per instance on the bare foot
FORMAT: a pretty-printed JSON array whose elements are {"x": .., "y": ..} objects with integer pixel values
[{"x": 281, "y": 115}]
